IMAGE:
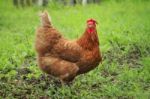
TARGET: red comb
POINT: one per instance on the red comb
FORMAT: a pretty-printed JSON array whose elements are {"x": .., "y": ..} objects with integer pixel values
[{"x": 91, "y": 21}]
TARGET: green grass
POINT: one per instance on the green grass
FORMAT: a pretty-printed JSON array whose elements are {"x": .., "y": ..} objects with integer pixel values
[{"x": 124, "y": 32}]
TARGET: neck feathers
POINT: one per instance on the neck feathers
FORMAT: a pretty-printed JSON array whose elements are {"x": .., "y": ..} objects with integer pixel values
[{"x": 89, "y": 40}]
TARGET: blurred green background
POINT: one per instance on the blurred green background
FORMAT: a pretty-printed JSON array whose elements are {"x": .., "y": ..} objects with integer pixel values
[{"x": 124, "y": 34}]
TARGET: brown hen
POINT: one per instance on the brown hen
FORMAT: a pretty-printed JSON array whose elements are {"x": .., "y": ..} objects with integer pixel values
[{"x": 66, "y": 59}]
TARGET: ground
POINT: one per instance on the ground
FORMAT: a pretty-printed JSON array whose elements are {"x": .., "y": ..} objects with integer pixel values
[{"x": 123, "y": 30}]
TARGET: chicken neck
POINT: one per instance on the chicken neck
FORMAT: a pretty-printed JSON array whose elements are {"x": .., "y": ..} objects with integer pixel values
[{"x": 89, "y": 39}]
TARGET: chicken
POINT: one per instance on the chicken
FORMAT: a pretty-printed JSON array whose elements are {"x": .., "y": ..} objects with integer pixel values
[{"x": 63, "y": 58}]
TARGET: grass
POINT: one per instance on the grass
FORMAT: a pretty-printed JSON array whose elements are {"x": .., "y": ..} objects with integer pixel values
[{"x": 124, "y": 32}]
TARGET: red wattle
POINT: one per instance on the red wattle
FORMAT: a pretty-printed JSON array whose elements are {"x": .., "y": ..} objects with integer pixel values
[{"x": 90, "y": 30}]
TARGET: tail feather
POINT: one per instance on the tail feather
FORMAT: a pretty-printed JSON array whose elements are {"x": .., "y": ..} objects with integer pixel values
[{"x": 45, "y": 19}]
